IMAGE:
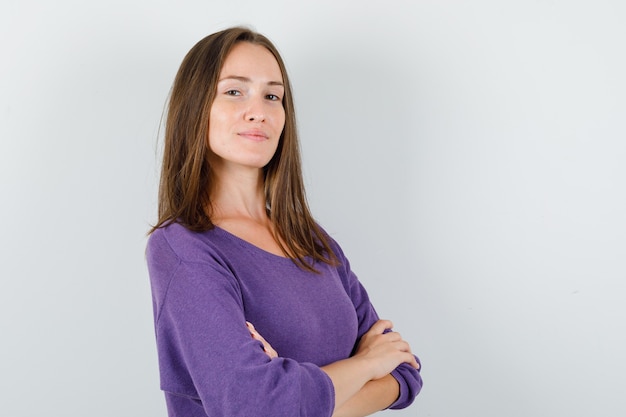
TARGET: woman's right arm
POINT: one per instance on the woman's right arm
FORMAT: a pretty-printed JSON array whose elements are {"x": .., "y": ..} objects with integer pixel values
[
  {"x": 378, "y": 350},
  {"x": 378, "y": 354},
  {"x": 408, "y": 382}
]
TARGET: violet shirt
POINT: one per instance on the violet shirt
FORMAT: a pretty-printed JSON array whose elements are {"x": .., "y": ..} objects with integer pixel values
[{"x": 206, "y": 285}]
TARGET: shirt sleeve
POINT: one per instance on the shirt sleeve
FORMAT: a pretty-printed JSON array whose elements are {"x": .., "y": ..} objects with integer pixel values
[
  {"x": 408, "y": 377},
  {"x": 206, "y": 353}
]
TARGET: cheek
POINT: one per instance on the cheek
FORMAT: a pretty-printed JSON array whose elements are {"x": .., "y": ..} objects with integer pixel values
[
  {"x": 217, "y": 123},
  {"x": 280, "y": 121},
  {"x": 215, "y": 142}
]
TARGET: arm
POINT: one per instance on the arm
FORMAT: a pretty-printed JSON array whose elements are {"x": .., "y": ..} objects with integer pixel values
[
  {"x": 377, "y": 355},
  {"x": 407, "y": 376},
  {"x": 362, "y": 383},
  {"x": 349, "y": 378},
  {"x": 375, "y": 395},
  {"x": 206, "y": 354}
]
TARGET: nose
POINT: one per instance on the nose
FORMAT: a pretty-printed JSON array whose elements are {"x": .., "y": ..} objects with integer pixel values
[
  {"x": 255, "y": 111},
  {"x": 255, "y": 117}
]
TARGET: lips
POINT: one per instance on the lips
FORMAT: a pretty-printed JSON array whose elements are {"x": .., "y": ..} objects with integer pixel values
[{"x": 254, "y": 135}]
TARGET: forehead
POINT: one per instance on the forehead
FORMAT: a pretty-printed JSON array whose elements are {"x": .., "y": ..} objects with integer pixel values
[{"x": 248, "y": 59}]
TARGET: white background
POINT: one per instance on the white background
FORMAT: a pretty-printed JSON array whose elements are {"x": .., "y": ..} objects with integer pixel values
[{"x": 468, "y": 155}]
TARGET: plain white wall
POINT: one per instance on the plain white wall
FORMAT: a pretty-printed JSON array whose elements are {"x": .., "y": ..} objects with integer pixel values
[{"x": 469, "y": 157}]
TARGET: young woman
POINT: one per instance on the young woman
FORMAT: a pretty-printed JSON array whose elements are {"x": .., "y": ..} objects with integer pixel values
[{"x": 256, "y": 310}]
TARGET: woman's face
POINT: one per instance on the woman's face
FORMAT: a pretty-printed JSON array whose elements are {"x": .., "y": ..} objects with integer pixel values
[{"x": 247, "y": 116}]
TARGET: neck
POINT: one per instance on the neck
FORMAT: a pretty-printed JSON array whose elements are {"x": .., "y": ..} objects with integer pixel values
[{"x": 238, "y": 194}]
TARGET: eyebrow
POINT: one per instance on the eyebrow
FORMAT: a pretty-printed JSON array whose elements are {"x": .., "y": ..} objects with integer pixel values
[{"x": 248, "y": 80}]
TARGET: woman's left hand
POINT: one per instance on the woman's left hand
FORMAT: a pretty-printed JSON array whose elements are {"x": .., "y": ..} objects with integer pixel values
[{"x": 269, "y": 350}]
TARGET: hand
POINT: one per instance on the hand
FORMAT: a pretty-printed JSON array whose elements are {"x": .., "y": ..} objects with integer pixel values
[
  {"x": 385, "y": 350},
  {"x": 269, "y": 350}
]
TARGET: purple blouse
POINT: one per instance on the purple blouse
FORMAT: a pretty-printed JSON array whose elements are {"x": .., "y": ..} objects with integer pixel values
[{"x": 206, "y": 285}]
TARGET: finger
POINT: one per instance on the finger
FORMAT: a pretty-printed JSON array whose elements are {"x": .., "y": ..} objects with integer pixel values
[
  {"x": 413, "y": 362},
  {"x": 410, "y": 358},
  {"x": 268, "y": 348},
  {"x": 380, "y": 326},
  {"x": 391, "y": 337},
  {"x": 401, "y": 345},
  {"x": 270, "y": 351},
  {"x": 254, "y": 333},
  {"x": 257, "y": 336}
]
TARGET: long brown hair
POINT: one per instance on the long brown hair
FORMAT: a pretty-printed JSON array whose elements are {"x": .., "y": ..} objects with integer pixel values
[{"x": 186, "y": 176}]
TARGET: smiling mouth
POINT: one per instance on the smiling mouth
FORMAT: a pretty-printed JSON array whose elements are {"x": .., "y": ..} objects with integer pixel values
[{"x": 254, "y": 135}]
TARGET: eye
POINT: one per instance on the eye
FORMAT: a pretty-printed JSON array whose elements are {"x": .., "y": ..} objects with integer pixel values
[
  {"x": 232, "y": 92},
  {"x": 273, "y": 97}
]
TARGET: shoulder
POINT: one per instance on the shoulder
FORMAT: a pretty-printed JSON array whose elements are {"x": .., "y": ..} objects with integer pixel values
[
  {"x": 186, "y": 245},
  {"x": 334, "y": 245},
  {"x": 174, "y": 250}
]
